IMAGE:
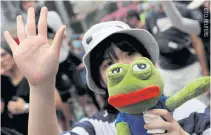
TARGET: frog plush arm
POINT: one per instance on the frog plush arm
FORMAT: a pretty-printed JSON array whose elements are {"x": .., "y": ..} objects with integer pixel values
[
  {"x": 123, "y": 128},
  {"x": 192, "y": 90}
]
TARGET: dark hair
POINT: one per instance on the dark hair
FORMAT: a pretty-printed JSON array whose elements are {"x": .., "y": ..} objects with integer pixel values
[
  {"x": 105, "y": 49},
  {"x": 133, "y": 13}
]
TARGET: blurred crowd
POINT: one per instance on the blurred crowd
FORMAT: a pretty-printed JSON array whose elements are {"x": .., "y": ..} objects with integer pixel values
[{"x": 183, "y": 57}]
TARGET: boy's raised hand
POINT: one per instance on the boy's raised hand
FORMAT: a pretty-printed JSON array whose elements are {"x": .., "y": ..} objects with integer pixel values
[{"x": 35, "y": 58}]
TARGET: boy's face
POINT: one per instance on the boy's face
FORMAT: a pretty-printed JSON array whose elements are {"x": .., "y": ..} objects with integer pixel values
[{"x": 122, "y": 57}]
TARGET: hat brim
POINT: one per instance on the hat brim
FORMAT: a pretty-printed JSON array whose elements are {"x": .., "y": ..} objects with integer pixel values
[{"x": 141, "y": 35}]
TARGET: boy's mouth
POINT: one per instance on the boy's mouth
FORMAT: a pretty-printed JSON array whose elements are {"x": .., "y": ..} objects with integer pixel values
[{"x": 122, "y": 100}]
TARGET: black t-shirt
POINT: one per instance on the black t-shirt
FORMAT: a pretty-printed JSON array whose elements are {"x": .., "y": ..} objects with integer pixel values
[
  {"x": 173, "y": 44},
  {"x": 8, "y": 92}
]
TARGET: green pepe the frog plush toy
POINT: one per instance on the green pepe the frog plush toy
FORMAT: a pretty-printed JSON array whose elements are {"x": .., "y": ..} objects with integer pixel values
[{"x": 138, "y": 87}]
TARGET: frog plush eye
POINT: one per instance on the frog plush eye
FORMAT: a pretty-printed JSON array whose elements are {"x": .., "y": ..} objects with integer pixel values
[
  {"x": 142, "y": 70},
  {"x": 140, "y": 67},
  {"x": 116, "y": 71}
]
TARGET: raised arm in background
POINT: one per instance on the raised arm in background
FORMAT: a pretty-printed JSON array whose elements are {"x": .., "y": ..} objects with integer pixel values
[{"x": 186, "y": 25}]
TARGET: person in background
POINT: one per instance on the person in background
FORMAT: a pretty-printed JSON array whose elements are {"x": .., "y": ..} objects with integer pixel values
[
  {"x": 198, "y": 26},
  {"x": 79, "y": 50},
  {"x": 118, "y": 43},
  {"x": 68, "y": 75},
  {"x": 25, "y": 5},
  {"x": 134, "y": 20},
  {"x": 177, "y": 57},
  {"x": 15, "y": 93}
]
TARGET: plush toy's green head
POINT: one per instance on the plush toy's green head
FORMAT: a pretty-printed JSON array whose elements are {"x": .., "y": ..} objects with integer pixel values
[{"x": 134, "y": 88}]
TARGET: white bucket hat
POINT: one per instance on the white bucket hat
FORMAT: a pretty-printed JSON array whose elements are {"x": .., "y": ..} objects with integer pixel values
[{"x": 101, "y": 31}]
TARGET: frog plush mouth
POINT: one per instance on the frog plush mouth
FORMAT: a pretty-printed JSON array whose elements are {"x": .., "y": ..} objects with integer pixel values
[{"x": 122, "y": 100}]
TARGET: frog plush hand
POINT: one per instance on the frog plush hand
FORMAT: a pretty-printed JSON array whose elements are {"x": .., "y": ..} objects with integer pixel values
[{"x": 137, "y": 87}]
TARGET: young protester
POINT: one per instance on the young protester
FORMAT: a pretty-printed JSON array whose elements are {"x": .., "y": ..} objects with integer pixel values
[{"x": 105, "y": 44}]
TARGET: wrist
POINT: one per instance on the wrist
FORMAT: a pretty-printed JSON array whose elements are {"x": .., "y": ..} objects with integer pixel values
[
  {"x": 44, "y": 93},
  {"x": 45, "y": 85}
]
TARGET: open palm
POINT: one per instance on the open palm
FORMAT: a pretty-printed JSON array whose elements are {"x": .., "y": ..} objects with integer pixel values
[{"x": 36, "y": 59}]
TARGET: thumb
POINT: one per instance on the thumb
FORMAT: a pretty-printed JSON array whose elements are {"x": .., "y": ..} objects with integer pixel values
[
  {"x": 11, "y": 103},
  {"x": 20, "y": 100},
  {"x": 57, "y": 42}
]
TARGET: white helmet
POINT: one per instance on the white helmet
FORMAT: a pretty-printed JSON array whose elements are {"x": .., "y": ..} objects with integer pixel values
[{"x": 101, "y": 31}]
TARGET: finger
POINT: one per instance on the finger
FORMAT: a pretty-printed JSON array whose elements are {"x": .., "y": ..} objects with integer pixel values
[
  {"x": 19, "y": 99},
  {"x": 11, "y": 103},
  {"x": 12, "y": 110},
  {"x": 158, "y": 124},
  {"x": 57, "y": 42},
  {"x": 162, "y": 112},
  {"x": 42, "y": 24},
  {"x": 20, "y": 28},
  {"x": 10, "y": 41},
  {"x": 30, "y": 24},
  {"x": 10, "y": 107}
]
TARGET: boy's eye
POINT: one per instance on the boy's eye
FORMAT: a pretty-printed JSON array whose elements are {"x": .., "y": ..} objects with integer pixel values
[
  {"x": 130, "y": 53},
  {"x": 106, "y": 65}
]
